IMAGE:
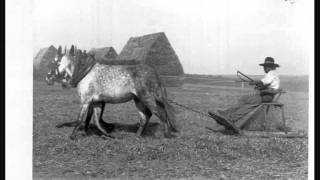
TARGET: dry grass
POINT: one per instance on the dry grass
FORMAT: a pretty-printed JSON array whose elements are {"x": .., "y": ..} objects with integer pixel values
[{"x": 196, "y": 153}]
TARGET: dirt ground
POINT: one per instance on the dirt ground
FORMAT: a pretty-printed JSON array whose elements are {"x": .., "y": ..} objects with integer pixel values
[{"x": 196, "y": 153}]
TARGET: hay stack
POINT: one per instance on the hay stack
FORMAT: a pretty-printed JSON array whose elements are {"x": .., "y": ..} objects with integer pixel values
[
  {"x": 104, "y": 54},
  {"x": 156, "y": 51},
  {"x": 108, "y": 56},
  {"x": 42, "y": 60}
]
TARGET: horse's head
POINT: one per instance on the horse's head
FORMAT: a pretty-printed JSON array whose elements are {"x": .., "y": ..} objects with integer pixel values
[{"x": 61, "y": 68}]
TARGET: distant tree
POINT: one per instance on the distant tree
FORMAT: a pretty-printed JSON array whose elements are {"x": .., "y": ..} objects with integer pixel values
[{"x": 290, "y": 1}]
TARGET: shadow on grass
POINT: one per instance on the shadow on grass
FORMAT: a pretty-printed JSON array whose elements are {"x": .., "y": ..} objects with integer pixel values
[
  {"x": 149, "y": 131},
  {"x": 224, "y": 131}
]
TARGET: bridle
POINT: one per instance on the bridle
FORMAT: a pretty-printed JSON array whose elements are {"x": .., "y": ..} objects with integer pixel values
[{"x": 54, "y": 72}]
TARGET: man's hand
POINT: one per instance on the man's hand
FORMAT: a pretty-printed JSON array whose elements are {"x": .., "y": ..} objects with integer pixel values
[{"x": 255, "y": 82}]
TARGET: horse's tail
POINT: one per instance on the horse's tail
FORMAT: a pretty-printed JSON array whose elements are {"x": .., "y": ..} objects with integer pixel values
[{"x": 169, "y": 110}]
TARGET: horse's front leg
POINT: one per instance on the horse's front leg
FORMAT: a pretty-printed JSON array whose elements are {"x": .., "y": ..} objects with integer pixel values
[
  {"x": 67, "y": 124},
  {"x": 88, "y": 118},
  {"x": 108, "y": 126},
  {"x": 98, "y": 111},
  {"x": 75, "y": 122},
  {"x": 81, "y": 115}
]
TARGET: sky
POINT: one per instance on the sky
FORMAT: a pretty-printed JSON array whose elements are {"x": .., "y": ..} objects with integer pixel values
[{"x": 209, "y": 36}]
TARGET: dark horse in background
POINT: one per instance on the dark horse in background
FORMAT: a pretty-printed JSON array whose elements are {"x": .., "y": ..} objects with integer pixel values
[{"x": 98, "y": 84}]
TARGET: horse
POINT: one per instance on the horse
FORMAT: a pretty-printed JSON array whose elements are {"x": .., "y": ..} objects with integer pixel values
[
  {"x": 99, "y": 84},
  {"x": 53, "y": 71}
]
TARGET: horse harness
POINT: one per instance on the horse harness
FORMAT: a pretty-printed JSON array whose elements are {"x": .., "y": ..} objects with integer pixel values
[
  {"x": 82, "y": 68},
  {"x": 55, "y": 71}
]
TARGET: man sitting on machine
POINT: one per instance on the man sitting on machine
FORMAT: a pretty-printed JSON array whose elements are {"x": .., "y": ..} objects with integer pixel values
[{"x": 267, "y": 88}]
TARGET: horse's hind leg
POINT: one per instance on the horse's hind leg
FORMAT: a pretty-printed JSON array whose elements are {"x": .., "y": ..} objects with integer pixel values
[
  {"x": 159, "y": 112},
  {"x": 163, "y": 117},
  {"x": 82, "y": 112},
  {"x": 145, "y": 115}
]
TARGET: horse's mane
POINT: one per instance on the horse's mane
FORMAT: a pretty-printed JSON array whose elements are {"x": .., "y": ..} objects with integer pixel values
[{"x": 82, "y": 66}]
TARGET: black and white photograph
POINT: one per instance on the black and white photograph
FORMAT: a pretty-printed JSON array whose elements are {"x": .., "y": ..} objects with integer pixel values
[{"x": 170, "y": 89}]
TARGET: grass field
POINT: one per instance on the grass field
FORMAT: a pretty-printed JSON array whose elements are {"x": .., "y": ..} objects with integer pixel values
[
  {"x": 290, "y": 83},
  {"x": 196, "y": 153}
]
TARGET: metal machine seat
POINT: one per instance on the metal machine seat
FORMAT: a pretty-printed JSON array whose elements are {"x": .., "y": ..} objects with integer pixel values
[{"x": 266, "y": 106}]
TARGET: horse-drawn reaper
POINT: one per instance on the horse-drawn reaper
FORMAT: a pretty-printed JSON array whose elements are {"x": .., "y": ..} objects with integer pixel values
[{"x": 98, "y": 84}]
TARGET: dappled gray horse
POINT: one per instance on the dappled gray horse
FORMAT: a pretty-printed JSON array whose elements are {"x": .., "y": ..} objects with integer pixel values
[{"x": 98, "y": 84}]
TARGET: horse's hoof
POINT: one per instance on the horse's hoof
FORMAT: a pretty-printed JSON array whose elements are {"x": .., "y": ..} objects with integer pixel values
[
  {"x": 84, "y": 134},
  {"x": 169, "y": 135},
  {"x": 73, "y": 137},
  {"x": 59, "y": 126},
  {"x": 110, "y": 128},
  {"x": 174, "y": 130},
  {"x": 139, "y": 134},
  {"x": 105, "y": 137}
]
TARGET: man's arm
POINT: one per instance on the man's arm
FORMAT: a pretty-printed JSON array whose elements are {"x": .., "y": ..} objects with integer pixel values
[
  {"x": 259, "y": 84},
  {"x": 267, "y": 80},
  {"x": 256, "y": 82}
]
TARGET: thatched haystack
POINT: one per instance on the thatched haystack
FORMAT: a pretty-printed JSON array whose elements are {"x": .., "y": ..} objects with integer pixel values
[
  {"x": 42, "y": 60},
  {"x": 117, "y": 62},
  {"x": 108, "y": 56},
  {"x": 156, "y": 51},
  {"x": 104, "y": 54}
]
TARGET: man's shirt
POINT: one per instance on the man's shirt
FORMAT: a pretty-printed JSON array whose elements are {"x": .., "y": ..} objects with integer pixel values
[{"x": 271, "y": 79}]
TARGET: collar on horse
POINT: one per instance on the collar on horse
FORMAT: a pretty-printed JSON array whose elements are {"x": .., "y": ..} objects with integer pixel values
[{"x": 82, "y": 68}]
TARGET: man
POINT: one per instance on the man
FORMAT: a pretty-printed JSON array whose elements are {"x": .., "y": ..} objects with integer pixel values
[
  {"x": 271, "y": 82},
  {"x": 267, "y": 88}
]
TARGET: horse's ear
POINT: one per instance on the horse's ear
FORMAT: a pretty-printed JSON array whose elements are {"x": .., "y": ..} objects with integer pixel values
[
  {"x": 91, "y": 54},
  {"x": 65, "y": 49},
  {"x": 71, "y": 52},
  {"x": 59, "y": 50},
  {"x": 78, "y": 52}
]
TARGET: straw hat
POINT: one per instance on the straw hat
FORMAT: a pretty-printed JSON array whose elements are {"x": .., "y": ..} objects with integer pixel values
[{"x": 269, "y": 61}]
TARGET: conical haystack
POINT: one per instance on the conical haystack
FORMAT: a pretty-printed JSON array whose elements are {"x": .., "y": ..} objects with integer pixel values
[
  {"x": 156, "y": 51},
  {"x": 104, "y": 54},
  {"x": 42, "y": 60}
]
